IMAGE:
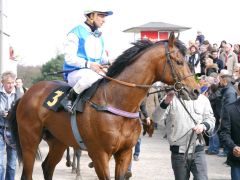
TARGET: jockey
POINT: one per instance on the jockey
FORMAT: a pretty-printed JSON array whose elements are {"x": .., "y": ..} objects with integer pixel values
[{"x": 85, "y": 54}]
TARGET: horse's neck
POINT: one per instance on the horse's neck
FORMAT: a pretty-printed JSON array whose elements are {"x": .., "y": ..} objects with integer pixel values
[{"x": 126, "y": 97}]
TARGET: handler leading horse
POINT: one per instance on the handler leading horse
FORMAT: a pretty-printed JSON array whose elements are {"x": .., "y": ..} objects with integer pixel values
[{"x": 104, "y": 134}]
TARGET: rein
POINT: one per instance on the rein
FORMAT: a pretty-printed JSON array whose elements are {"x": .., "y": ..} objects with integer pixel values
[
  {"x": 193, "y": 134},
  {"x": 178, "y": 86},
  {"x": 125, "y": 83}
]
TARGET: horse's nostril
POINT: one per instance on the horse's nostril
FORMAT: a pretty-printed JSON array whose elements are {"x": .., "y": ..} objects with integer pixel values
[{"x": 195, "y": 91}]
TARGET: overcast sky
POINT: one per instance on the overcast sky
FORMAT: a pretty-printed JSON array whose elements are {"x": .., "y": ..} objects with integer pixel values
[{"x": 38, "y": 27}]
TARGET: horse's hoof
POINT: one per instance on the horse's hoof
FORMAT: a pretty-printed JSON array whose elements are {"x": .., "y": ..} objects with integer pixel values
[
  {"x": 128, "y": 175},
  {"x": 74, "y": 171},
  {"x": 68, "y": 164},
  {"x": 78, "y": 177},
  {"x": 90, "y": 165}
]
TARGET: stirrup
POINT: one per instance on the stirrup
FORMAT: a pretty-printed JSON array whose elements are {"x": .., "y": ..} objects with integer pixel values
[{"x": 69, "y": 107}]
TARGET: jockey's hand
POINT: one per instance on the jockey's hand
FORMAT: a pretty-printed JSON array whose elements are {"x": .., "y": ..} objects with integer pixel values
[
  {"x": 199, "y": 128},
  {"x": 236, "y": 151},
  {"x": 105, "y": 68},
  {"x": 148, "y": 120},
  {"x": 169, "y": 97},
  {"x": 95, "y": 67}
]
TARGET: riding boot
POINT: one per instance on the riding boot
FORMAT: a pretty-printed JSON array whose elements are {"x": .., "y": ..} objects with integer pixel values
[{"x": 71, "y": 97}]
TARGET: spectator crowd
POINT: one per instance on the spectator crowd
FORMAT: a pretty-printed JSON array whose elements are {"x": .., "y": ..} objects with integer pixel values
[{"x": 217, "y": 69}]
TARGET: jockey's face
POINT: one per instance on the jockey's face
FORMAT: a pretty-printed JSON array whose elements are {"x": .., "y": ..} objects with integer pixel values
[{"x": 98, "y": 19}]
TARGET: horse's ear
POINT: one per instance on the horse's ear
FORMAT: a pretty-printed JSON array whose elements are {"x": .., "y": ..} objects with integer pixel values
[
  {"x": 171, "y": 39},
  {"x": 178, "y": 34}
]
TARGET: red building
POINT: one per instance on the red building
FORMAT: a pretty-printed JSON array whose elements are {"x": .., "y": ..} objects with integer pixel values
[{"x": 156, "y": 31}]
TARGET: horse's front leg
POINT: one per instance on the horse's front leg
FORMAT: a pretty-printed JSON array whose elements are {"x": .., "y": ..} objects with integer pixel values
[
  {"x": 78, "y": 155},
  {"x": 101, "y": 163},
  {"x": 123, "y": 160},
  {"x": 68, "y": 160},
  {"x": 56, "y": 150}
]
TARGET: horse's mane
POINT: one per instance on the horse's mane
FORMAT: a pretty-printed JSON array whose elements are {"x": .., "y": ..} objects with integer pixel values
[
  {"x": 129, "y": 55},
  {"x": 181, "y": 46}
]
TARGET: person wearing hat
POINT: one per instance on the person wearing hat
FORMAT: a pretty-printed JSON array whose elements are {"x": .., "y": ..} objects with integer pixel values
[
  {"x": 229, "y": 95},
  {"x": 204, "y": 90},
  {"x": 84, "y": 53}
]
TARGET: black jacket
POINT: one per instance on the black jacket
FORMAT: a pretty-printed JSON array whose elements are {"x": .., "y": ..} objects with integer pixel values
[
  {"x": 229, "y": 95},
  {"x": 219, "y": 62},
  {"x": 215, "y": 99},
  {"x": 230, "y": 130}
]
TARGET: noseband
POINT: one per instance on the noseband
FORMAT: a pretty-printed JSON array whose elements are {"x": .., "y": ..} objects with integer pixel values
[{"x": 178, "y": 85}]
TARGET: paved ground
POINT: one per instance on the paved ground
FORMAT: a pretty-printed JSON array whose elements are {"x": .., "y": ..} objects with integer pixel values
[{"x": 154, "y": 164}]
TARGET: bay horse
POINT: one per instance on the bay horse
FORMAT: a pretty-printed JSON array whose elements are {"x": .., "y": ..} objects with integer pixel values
[{"x": 104, "y": 134}]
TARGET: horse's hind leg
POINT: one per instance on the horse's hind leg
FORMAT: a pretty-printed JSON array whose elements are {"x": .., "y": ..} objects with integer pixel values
[
  {"x": 74, "y": 170},
  {"x": 29, "y": 145},
  {"x": 122, "y": 160},
  {"x": 56, "y": 150}
]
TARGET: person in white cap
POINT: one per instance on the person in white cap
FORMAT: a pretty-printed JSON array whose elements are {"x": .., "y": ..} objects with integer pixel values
[{"x": 85, "y": 54}]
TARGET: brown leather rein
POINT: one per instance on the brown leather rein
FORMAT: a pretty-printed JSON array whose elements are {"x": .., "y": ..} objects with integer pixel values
[{"x": 178, "y": 86}]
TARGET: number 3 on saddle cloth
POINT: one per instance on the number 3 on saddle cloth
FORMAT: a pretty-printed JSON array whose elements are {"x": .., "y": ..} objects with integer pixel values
[{"x": 57, "y": 97}]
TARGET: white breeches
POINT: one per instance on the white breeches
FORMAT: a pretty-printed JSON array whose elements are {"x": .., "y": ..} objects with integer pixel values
[{"x": 82, "y": 79}]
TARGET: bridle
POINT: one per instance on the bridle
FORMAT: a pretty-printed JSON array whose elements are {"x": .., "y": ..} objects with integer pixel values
[{"x": 178, "y": 85}]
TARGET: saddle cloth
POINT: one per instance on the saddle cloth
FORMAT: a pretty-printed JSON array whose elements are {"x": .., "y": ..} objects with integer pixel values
[
  {"x": 56, "y": 98},
  {"x": 52, "y": 102}
]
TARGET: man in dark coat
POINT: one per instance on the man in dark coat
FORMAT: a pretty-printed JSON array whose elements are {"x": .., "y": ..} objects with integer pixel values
[
  {"x": 229, "y": 95},
  {"x": 230, "y": 136}
]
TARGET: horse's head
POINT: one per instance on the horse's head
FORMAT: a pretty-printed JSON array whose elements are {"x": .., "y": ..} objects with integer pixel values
[{"x": 175, "y": 70}]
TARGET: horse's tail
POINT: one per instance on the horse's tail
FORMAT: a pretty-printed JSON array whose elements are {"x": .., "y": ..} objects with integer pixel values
[{"x": 12, "y": 118}]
